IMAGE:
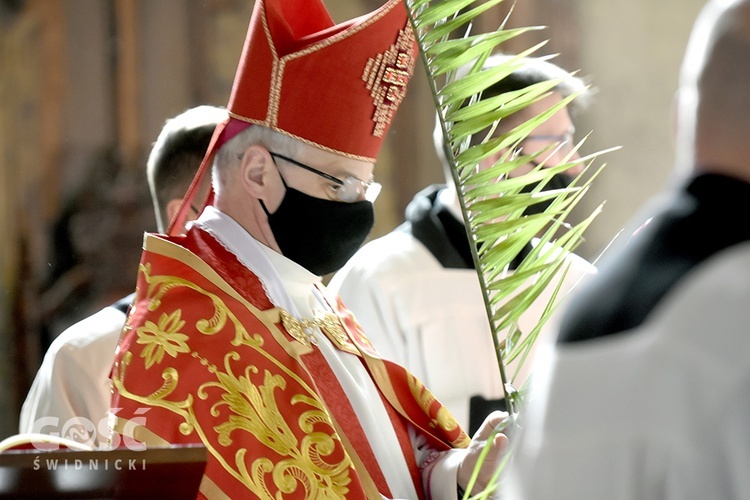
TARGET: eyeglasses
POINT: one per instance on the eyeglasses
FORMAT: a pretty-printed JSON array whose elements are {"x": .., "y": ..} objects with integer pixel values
[
  {"x": 348, "y": 190},
  {"x": 565, "y": 141}
]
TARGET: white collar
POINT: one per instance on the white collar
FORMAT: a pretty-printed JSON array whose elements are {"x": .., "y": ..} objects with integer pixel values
[
  {"x": 448, "y": 197},
  {"x": 281, "y": 277}
]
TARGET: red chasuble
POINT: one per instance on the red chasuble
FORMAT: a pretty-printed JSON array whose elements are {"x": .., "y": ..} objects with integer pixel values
[{"x": 205, "y": 357}]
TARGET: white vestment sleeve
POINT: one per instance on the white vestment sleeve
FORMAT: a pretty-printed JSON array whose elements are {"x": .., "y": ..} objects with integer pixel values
[
  {"x": 360, "y": 287},
  {"x": 72, "y": 384},
  {"x": 439, "y": 469}
]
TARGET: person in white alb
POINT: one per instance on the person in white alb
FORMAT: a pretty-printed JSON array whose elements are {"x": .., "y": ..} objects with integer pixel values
[
  {"x": 415, "y": 291},
  {"x": 645, "y": 393},
  {"x": 71, "y": 391}
]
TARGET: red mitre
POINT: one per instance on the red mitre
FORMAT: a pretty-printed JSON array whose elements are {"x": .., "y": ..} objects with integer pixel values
[{"x": 333, "y": 86}]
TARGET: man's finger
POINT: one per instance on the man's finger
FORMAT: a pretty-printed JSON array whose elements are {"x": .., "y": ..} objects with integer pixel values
[{"x": 493, "y": 420}]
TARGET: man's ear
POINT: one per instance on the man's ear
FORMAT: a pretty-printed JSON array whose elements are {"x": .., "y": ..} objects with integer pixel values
[{"x": 257, "y": 171}]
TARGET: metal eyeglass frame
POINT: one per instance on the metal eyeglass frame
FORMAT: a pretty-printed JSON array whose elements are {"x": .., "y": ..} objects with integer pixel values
[{"x": 349, "y": 191}]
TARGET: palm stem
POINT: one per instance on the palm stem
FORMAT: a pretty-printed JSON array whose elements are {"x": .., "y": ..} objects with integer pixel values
[{"x": 448, "y": 151}]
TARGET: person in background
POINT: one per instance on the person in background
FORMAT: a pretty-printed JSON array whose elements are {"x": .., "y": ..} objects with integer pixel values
[
  {"x": 645, "y": 392},
  {"x": 71, "y": 392},
  {"x": 415, "y": 290}
]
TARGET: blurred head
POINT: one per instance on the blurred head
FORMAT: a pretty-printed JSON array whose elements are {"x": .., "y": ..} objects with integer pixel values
[
  {"x": 555, "y": 133},
  {"x": 176, "y": 156},
  {"x": 713, "y": 121},
  {"x": 553, "y": 138}
]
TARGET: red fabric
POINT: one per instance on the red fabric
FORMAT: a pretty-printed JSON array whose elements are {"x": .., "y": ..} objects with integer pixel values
[
  {"x": 288, "y": 27},
  {"x": 207, "y": 369},
  {"x": 228, "y": 266},
  {"x": 338, "y": 403},
  {"x": 251, "y": 288},
  {"x": 295, "y": 53},
  {"x": 335, "y": 86},
  {"x": 209, "y": 394},
  {"x": 406, "y": 446},
  {"x": 402, "y": 389}
]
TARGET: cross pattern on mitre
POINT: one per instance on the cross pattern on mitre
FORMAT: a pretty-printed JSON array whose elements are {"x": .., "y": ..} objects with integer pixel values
[{"x": 387, "y": 76}]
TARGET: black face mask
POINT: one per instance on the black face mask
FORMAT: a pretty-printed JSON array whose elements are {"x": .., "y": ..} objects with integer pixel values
[
  {"x": 319, "y": 235},
  {"x": 558, "y": 181}
]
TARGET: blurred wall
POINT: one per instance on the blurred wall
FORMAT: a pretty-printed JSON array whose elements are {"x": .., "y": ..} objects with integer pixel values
[
  {"x": 86, "y": 85},
  {"x": 633, "y": 52}
]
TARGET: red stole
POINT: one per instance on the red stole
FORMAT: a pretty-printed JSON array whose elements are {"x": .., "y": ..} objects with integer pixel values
[{"x": 204, "y": 358}]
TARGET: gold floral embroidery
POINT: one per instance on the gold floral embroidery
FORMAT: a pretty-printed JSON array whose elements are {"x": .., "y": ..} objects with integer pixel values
[
  {"x": 162, "y": 337},
  {"x": 158, "y": 286},
  {"x": 254, "y": 409},
  {"x": 314, "y": 462}
]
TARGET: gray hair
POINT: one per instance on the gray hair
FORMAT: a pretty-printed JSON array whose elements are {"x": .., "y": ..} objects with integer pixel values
[{"x": 231, "y": 152}]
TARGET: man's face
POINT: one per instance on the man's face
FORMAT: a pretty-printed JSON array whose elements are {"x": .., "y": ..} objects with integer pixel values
[
  {"x": 324, "y": 214},
  {"x": 557, "y": 129},
  {"x": 553, "y": 139}
]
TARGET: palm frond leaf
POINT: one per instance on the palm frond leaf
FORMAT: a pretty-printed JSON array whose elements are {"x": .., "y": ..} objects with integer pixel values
[{"x": 493, "y": 203}]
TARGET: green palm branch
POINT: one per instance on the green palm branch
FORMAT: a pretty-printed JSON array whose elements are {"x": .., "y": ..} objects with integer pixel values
[{"x": 492, "y": 203}]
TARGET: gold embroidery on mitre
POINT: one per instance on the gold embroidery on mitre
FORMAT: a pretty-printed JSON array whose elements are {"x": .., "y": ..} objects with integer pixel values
[{"x": 386, "y": 77}]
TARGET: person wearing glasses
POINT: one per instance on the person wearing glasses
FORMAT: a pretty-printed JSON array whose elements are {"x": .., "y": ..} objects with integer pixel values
[
  {"x": 233, "y": 341},
  {"x": 415, "y": 290}
]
